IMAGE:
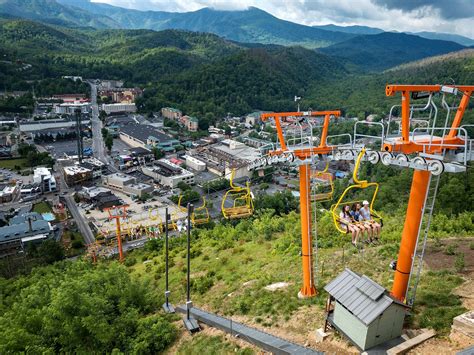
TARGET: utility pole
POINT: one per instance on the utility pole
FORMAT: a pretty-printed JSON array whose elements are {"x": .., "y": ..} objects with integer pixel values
[
  {"x": 190, "y": 322},
  {"x": 79, "y": 135},
  {"x": 167, "y": 307}
]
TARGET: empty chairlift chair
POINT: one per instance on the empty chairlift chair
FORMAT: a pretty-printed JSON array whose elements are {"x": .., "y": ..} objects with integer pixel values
[{"x": 242, "y": 201}]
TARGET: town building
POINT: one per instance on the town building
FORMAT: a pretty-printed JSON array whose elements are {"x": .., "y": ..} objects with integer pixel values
[
  {"x": 227, "y": 155},
  {"x": 70, "y": 98},
  {"x": 191, "y": 123},
  {"x": 145, "y": 136},
  {"x": 171, "y": 113},
  {"x": 23, "y": 229},
  {"x": 49, "y": 125},
  {"x": 254, "y": 118},
  {"x": 70, "y": 108},
  {"x": 75, "y": 174},
  {"x": 168, "y": 174},
  {"x": 126, "y": 184},
  {"x": 195, "y": 164},
  {"x": 8, "y": 193},
  {"x": 363, "y": 311},
  {"x": 119, "y": 108},
  {"x": 43, "y": 177},
  {"x": 120, "y": 95},
  {"x": 110, "y": 84}
]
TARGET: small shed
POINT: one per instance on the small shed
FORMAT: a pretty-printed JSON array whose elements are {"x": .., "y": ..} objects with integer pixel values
[{"x": 363, "y": 310}]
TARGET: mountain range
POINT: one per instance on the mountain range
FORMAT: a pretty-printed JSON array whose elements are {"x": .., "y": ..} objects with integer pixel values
[{"x": 251, "y": 25}]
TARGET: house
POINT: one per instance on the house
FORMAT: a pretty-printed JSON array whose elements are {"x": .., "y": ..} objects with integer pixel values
[{"x": 363, "y": 311}]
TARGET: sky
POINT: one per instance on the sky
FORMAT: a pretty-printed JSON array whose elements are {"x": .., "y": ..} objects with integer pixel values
[{"x": 449, "y": 16}]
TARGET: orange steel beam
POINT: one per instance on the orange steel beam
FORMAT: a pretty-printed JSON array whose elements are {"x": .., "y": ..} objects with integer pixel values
[
  {"x": 308, "y": 289},
  {"x": 304, "y": 153},
  {"x": 414, "y": 215},
  {"x": 407, "y": 146},
  {"x": 117, "y": 226}
]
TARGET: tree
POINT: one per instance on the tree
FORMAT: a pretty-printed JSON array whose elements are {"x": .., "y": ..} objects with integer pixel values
[
  {"x": 109, "y": 142},
  {"x": 50, "y": 251},
  {"x": 157, "y": 153},
  {"x": 183, "y": 186}
]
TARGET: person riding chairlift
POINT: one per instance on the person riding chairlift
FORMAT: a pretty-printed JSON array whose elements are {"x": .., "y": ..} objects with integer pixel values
[
  {"x": 346, "y": 221},
  {"x": 367, "y": 217},
  {"x": 364, "y": 226}
]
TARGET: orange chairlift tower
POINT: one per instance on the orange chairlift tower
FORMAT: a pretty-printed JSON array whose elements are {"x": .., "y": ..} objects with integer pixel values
[
  {"x": 116, "y": 213},
  {"x": 445, "y": 147},
  {"x": 302, "y": 148}
]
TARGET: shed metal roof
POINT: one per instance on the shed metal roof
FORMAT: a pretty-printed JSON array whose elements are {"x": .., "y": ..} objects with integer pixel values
[{"x": 360, "y": 295}]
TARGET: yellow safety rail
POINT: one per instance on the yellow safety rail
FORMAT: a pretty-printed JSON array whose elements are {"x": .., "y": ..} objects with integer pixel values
[
  {"x": 242, "y": 205},
  {"x": 358, "y": 184}
]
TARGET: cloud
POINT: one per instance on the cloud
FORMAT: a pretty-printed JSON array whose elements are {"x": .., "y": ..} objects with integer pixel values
[
  {"x": 452, "y": 9},
  {"x": 450, "y": 16}
]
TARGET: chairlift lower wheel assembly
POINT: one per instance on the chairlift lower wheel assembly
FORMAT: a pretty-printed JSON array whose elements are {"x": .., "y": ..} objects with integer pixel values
[
  {"x": 436, "y": 167},
  {"x": 373, "y": 156},
  {"x": 337, "y": 155},
  {"x": 386, "y": 158},
  {"x": 347, "y": 155},
  {"x": 419, "y": 161},
  {"x": 401, "y": 158}
]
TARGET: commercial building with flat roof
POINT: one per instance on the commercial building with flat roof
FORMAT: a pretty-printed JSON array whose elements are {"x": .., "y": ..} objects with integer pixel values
[
  {"x": 76, "y": 174},
  {"x": 126, "y": 184},
  {"x": 146, "y": 136},
  {"x": 168, "y": 174},
  {"x": 45, "y": 179},
  {"x": 119, "y": 108}
]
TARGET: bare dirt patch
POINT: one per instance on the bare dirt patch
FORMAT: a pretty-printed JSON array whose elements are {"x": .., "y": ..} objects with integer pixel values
[{"x": 443, "y": 255}]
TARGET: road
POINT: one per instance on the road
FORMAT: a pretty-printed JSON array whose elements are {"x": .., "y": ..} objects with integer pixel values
[{"x": 79, "y": 219}]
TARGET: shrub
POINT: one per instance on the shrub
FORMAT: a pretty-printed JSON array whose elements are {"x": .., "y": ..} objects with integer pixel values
[
  {"x": 77, "y": 244},
  {"x": 450, "y": 249},
  {"x": 459, "y": 262}
]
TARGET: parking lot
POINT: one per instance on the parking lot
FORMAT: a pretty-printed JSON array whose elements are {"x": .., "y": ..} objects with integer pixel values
[{"x": 57, "y": 149}]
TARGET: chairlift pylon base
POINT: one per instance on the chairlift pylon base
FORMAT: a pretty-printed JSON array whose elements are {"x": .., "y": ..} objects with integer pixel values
[
  {"x": 191, "y": 324},
  {"x": 168, "y": 308}
]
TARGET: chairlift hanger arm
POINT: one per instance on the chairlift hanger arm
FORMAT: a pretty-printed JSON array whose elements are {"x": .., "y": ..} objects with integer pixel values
[
  {"x": 303, "y": 153},
  {"x": 405, "y": 145}
]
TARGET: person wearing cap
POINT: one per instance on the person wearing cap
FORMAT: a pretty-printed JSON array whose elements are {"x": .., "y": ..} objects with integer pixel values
[{"x": 366, "y": 216}]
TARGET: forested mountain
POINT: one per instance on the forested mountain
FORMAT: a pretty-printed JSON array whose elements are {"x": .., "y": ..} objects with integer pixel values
[
  {"x": 258, "y": 78},
  {"x": 251, "y": 25},
  {"x": 53, "y": 12},
  {"x": 386, "y": 50},
  {"x": 365, "y": 30},
  {"x": 359, "y": 95},
  {"x": 137, "y": 56},
  {"x": 358, "y": 30}
]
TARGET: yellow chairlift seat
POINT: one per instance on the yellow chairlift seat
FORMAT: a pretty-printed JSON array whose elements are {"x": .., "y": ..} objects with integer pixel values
[
  {"x": 358, "y": 184},
  {"x": 201, "y": 214},
  {"x": 322, "y": 188},
  {"x": 242, "y": 205}
]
